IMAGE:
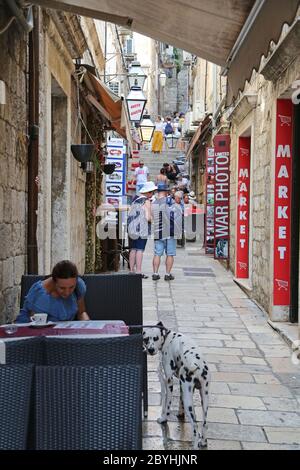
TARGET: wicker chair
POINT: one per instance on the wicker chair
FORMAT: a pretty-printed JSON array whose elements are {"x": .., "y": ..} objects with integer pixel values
[
  {"x": 25, "y": 351},
  {"x": 120, "y": 350},
  {"x": 15, "y": 398},
  {"x": 88, "y": 408}
]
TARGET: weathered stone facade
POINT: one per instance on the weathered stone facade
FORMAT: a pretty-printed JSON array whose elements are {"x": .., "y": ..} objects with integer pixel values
[
  {"x": 61, "y": 222},
  {"x": 261, "y": 124},
  {"x": 61, "y": 183},
  {"x": 13, "y": 166}
]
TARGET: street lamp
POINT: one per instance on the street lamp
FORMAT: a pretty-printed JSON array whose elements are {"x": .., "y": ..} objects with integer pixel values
[
  {"x": 171, "y": 140},
  {"x": 146, "y": 128},
  {"x": 136, "y": 102},
  {"x": 136, "y": 75}
]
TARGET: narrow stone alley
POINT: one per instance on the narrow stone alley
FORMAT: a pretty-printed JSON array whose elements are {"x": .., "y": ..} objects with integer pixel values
[{"x": 255, "y": 392}]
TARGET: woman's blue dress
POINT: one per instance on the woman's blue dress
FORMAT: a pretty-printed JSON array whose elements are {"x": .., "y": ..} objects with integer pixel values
[{"x": 38, "y": 300}]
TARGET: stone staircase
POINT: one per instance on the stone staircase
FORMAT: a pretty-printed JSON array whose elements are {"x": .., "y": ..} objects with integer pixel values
[{"x": 155, "y": 161}]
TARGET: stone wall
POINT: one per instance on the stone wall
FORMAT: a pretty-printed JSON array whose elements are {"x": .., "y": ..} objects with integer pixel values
[
  {"x": 13, "y": 167},
  {"x": 259, "y": 124},
  {"x": 61, "y": 213}
]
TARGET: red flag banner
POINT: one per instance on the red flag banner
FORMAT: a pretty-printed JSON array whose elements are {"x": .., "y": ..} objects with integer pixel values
[
  {"x": 282, "y": 209},
  {"x": 243, "y": 206}
]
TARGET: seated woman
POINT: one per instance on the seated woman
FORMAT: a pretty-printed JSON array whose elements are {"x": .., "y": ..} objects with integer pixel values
[{"x": 61, "y": 296}]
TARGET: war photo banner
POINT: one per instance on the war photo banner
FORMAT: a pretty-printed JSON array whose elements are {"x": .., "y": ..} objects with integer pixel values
[{"x": 222, "y": 182}]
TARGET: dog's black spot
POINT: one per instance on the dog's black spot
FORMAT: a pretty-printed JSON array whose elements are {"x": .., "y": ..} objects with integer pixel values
[
  {"x": 197, "y": 383},
  {"x": 190, "y": 408},
  {"x": 182, "y": 378},
  {"x": 172, "y": 365},
  {"x": 165, "y": 353},
  {"x": 146, "y": 340},
  {"x": 181, "y": 363},
  {"x": 171, "y": 388},
  {"x": 206, "y": 384},
  {"x": 205, "y": 367},
  {"x": 204, "y": 374},
  {"x": 179, "y": 335},
  {"x": 169, "y": 380},
  {"x": 197, "y": 356},
  {"x": 185, "y": 352},
  {"x": 188, "y": 378},
  {"x": 206, "y": 393},
  {"x": 156, "y": 338},
  {"x": 190, "y": 388}
]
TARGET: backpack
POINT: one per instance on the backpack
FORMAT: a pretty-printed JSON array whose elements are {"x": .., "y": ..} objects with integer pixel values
[
  {"x": 169, "y": 128},
  {"x": 137, "y": 224}
]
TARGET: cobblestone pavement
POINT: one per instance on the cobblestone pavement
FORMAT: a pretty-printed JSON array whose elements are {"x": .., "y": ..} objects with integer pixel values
[{"x": 255, "y": 393}]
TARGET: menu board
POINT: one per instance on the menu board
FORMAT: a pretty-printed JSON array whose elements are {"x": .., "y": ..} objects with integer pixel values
[
  {"x": 209, "y": 230},
  {"x": 115, "y": 182}
]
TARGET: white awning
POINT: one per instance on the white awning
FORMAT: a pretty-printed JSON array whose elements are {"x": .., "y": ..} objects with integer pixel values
[{"x": 231, "y": 33}]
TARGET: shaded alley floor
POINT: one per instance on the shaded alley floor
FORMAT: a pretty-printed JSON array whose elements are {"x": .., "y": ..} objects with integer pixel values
[{"x": 255, "y": 392}]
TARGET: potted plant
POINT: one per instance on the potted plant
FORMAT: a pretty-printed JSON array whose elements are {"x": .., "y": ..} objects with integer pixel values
[{"x": 83, "y": 152}]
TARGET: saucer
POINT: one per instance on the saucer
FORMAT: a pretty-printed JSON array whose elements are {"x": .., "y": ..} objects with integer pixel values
[{"x": 42, "y": 325}]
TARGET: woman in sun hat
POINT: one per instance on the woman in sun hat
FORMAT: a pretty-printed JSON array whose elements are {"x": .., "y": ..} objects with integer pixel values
[
  {"x": 138, "y": 223},
  {"x": 192, "y": 196}
]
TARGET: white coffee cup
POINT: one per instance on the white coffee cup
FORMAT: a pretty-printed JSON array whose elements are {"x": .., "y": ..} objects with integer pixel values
[{"x": 40, "y": 318}]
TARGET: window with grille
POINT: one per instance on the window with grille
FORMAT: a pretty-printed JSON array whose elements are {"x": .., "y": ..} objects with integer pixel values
[{"x": 115, "y": 87}]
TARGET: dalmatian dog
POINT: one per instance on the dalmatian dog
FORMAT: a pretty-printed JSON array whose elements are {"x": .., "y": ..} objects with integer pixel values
[{"x": 181, "y": 358}]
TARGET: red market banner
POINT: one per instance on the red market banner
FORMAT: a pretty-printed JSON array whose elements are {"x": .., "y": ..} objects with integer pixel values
[
  {"x": 282, "y": 209},
  {"x": 243, "y": 209},
  {"x": 210, "y": 201},
  {"x": 222, "y": 182}
]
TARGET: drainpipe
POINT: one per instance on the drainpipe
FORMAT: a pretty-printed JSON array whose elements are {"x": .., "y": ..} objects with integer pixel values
[
  {"x": 33, "y": 149},
  {"x": 26, "y": 23},
  {"x": 205, "y": 87},
  {"x": 295, "y": 220}
]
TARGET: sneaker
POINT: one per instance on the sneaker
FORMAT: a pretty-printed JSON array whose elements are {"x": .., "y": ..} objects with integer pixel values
[
  {"x": 144, "y": 276},
  {"x": 155, "y": 277},
  {"x": 169, "y": 277}
]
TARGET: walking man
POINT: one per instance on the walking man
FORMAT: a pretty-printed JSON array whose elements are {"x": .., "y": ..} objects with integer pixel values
[
  {"x": 167, "y": 223},
  {"x": 141, "y": 175}
]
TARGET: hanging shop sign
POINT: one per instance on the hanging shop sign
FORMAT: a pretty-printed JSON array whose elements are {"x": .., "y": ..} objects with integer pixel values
[
  {"x": 243, "y": 206},
  {"x": 115, "y": 182},
  {"x": 210, "y": 201},
  {"x": 282, "y": 209},
  {"x": 222, "y": 181}
]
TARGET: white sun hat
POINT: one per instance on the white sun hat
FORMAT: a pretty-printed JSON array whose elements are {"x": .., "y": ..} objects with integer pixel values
[
  {"x": 192, "y": 195},
  {"x": 148, "y": 187}
]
